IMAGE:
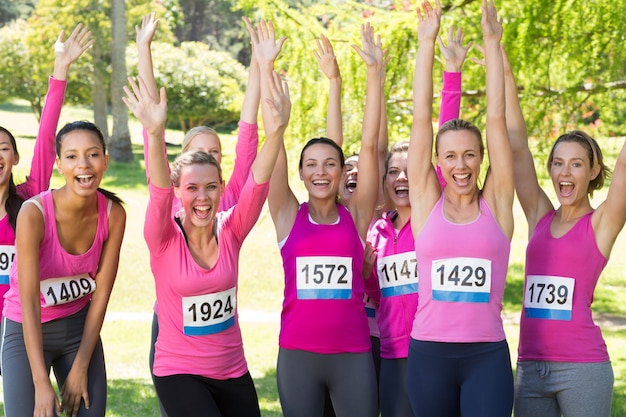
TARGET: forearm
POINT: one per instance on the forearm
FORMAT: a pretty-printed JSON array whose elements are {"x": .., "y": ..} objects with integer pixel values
[{"x": 334, "y": 123}]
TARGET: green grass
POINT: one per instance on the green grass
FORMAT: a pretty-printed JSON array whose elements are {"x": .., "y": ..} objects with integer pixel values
[{"x": 126, "y": 332}]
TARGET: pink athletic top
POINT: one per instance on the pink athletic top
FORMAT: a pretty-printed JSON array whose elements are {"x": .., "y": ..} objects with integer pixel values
[
  {"x": 67, "y": 280},
  {"x": 323, "y": 310},
  {"x": 395, "y": 280},
  {"x": 462, "y": 269},
  {"x": 40, "y": 171},
  {"x": 245, "y": 154},
  {"x": 561, "y": 276},
  {"x": 198, "y": 327}
]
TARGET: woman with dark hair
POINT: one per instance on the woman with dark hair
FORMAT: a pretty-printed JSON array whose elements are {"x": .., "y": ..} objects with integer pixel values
[
  {"x": 68, "y": 246},
  {"x": 563, "y": 366},
  {"x": 11, "y": 195},
  {"x": 324, "y": 336}
]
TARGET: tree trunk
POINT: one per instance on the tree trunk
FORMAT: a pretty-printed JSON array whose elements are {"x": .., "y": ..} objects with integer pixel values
[
  {"x": 120, "y": 147},
  {"x": 99, "y": 92}
]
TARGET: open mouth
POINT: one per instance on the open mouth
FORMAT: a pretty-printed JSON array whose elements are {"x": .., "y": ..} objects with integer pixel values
[{"x": 566, "y": 188}]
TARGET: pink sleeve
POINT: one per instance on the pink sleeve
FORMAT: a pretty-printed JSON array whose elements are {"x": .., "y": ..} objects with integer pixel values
[
  {"x": 450, "y": 106},
  {"x": 44, "y": 153},
  {"x": 450, "y": 97},
  {"x": 247, "y": 209},
  {"x": 158, "y": 225},
  {"x": 372, "y": 288},
  {"x": 245, "y": 153},
  {"x": 144, "y": 132}
]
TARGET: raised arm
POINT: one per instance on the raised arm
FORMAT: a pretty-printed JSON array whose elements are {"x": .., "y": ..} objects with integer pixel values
[
  {"x": 275, "y": 111},
  {"x": 499, "y": 186},
  {"x": 327, "y": 61},
  {"x": 424, "y": 188},
  {"x": 145, "y": 68},
  {"x": 532, "y": 198},
  {"x": 612, "y": 213},
  {"x": 454, "y": 54},
  {"x": 152, "y": 114},
  {"x": 247, "y": 135},
  {"x": 282, "y": 202},
  {"x": 144, "y": 36},
  {"x": 363, "y": 201},
  {"x": 66, "y": 53}
]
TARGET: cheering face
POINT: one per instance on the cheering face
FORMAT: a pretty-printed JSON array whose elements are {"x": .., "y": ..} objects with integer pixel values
[
  {"x": 199, "y": 190},
  {"x": 321, "y": 171},
  {"x": 459, "y": 157},
  {"x": 8, "y": 158},
  {"x": 206, "y": 142},
  {"x": 571, "y": 172},
  {"x": 396, "y": 180},
  {"x": 349, "y": 178},
  {"x": 82, "y": 161}
]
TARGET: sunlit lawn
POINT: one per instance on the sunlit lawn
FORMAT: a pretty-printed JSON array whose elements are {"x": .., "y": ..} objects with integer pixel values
[{"x": 126, "y": 330}]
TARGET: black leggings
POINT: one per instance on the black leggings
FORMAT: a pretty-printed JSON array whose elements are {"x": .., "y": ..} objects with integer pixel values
[
  {"x": 198, "y": 396},
  {"x": 153, "y": 337},
  {"x": 453, "y": 379}
]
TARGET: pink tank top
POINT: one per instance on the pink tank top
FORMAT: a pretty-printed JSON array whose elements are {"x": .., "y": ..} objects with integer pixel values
[
  {"x": 67, "y": 281},
  {"x": 561, "y": 276},
  {"x": 462, "y": 270},
  {"x": 323, "y": 309}
]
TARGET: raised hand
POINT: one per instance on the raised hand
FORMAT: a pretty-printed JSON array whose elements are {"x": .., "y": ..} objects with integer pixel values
[
  {"x": 428, "y": 19},
  {"x": 67, "y": 52},
  {"x": 491, "y": 24},
  {"x": 145, "y": 33},
  {"x": 454, "y": 53},
  {"x": 372, "y": 52},
  {"x": 264, "y": 44},
  {"x": 326, "y": 58},
  {"x": 151, "y": 112}
]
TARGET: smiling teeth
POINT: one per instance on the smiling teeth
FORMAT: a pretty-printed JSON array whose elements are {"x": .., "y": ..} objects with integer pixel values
[
  {"x": 321, "y": 182},
  {"x": 566, "y": 183},
  {"x": 462, "y": 176}
]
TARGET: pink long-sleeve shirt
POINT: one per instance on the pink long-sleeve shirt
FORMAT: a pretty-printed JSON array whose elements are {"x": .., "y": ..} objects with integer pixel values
[{"x": 198, "y": 326}]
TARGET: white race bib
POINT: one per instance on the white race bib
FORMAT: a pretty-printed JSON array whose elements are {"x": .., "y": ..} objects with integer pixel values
[
  {"x": 324, "y": 277},
  {"x": 397, "y": 274},
  {"x": 549, "y": 297},
  {"x": 461, "y": 280},
  {"x": 209, "y": 313},
  {"x": 64, "y": 290},
  {"x": 7, "y": 256}
]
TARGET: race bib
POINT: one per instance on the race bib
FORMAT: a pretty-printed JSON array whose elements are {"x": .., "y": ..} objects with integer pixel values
[
  {"x": 548, "y": 297},
  {"x": 461, "y": 280},
  {"x": 57, "y": 291},
  {"x": 7, "y": 256},
  {"x": 209, "y": 313},
  {"x": 397, "y": 274},
  {"x": 324, "y": 277}
]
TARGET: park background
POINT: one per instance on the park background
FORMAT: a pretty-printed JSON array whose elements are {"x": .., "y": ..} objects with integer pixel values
[{"x": 569, "y": 59}]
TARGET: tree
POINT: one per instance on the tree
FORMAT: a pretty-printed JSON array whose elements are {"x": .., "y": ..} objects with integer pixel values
[
  {"x": 120, "y": 147},
  {"x": 203, "y": 86}
]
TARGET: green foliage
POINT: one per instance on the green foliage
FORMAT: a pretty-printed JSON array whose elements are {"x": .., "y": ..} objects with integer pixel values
[
  {"x": 28, "y": 48},
  {"x": 203, "y": 86}
]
